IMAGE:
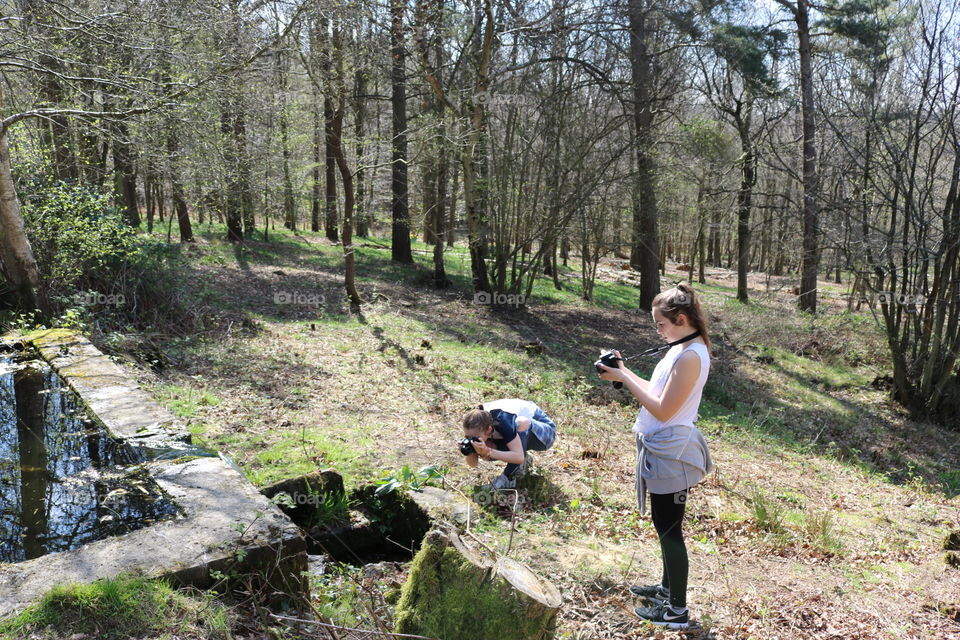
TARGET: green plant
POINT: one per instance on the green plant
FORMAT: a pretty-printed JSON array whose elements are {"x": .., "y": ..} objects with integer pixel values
[
  {"x": 768, "y": 514},
  {"x": 407, "y": 480},
  {"x": 333, "y": 508},
  {"x": 335, "y": 593}
]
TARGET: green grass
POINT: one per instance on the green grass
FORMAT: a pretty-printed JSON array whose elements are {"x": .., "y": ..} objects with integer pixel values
[
  {"x": 125, "y": 607},
  {"x": 300, "y": 453},
  {"x": 821, "y": 531},
  {"x": 951, "y": 482},
  {"x": 184, "y": 402}
]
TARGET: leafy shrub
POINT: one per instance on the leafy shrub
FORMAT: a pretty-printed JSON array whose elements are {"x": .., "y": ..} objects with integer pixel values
[
  {"x": 101, "y": 274},
  {"x": 79, "y": 239}
]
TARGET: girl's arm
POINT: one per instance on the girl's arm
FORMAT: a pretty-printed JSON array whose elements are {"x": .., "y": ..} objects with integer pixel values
[
  {"x": 682, "y": 379},
  {"x": 643, "y": 384},
  {"x": 514, "y": 455}
]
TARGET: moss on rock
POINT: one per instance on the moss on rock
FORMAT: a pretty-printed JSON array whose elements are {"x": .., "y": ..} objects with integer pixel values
[{"x": 454, "y": 591}]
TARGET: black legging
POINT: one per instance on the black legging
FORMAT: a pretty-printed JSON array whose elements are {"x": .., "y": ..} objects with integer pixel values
[{"x": 666, "y": 510}]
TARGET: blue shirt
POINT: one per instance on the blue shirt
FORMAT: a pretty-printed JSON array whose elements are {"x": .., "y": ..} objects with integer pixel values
[{"x": 505, "y": 423}]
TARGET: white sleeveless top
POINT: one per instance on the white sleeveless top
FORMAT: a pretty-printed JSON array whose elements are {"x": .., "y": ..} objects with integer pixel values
[
  {"x": 515, "y": 406},
  {"x": 687, "y": 413}
]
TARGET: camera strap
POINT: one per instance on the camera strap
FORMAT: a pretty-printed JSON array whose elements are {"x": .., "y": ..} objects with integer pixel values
[{"x": 650, "y": 352}]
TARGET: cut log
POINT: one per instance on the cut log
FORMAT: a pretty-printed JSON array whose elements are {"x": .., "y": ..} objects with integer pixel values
[{"x": 459, "y": 592}]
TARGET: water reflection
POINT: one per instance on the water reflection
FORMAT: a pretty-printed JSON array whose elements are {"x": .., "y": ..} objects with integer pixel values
[{"x": 63, "y": 480}]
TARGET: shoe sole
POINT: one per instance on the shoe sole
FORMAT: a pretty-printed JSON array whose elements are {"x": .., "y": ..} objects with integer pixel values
[{"x": 673, "y": 626}]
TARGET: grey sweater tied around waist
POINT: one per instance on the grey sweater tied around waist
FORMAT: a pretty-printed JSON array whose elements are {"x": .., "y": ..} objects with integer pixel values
[{"x": 670, "y": 459}]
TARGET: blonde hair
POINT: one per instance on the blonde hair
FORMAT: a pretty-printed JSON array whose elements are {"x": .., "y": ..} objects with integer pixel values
[{"x": 683, "y": 299}]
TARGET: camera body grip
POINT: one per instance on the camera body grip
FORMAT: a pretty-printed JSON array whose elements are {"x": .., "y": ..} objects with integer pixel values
[{"x": 609, "y": 359}]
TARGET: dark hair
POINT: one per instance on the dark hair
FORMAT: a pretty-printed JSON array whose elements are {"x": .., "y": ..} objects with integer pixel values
[{"x": 683, "y": 299}]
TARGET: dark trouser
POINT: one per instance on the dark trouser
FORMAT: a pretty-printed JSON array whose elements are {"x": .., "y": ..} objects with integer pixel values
[{"x": 666, "y": 511}]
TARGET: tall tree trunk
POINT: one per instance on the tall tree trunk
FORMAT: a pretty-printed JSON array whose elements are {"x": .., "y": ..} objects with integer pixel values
[
  {"x": 243, "y": 168},
  {"x": 360, "y": 107},
  {"x": 452, "y": 207},
  {"x": 440, "y": 214},
  {"x": 400, "y": 246},
  {"x": 125, "y": 175},
  {"x": 336, "y": 142},
  {"x": 316, "y": 196},
  {"x": 289, "y": 205},
  {"x": 330, "y": 176},
  {"x": 16, "y": 255},
  {"x": 811, "y": 225},
  {"x": 176, "y": 185},
  {"x": 149, "y": 176},
  {"x": 645, "y": 252},
  {"x": 440, "y": 161},
  {"x": 748, "y": 178},
  {"x": 234, "y": 204}
]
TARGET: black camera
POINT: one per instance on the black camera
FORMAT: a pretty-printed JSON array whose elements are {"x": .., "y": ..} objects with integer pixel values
[
  {"x": 609, "y": 359},
  {"x": 466, "y": 445}
]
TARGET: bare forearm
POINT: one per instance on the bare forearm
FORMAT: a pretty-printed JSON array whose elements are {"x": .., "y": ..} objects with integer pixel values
[
  {"x": 643, "y": 384},
  {"x": 512, "y": 457},
  {"x": 639, "y": 388}
]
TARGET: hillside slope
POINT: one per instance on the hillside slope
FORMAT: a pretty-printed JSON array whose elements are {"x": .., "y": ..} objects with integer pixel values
[{"x": 825, "y": 519}]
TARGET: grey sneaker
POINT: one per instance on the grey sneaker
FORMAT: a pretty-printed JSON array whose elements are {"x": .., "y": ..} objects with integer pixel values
[
  {"x": 663, "y": 615},
  {"x": 653, "y": 593},
  {"x": 503, "y": 482}
]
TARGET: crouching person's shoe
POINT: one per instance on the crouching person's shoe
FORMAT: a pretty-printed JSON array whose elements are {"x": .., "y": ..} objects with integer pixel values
[
  {"x": 663, "y": 615},
  {"x": 503, "y": 482}
]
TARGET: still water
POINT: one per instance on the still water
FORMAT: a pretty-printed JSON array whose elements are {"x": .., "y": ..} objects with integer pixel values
[{"x": 63, "y": 480}]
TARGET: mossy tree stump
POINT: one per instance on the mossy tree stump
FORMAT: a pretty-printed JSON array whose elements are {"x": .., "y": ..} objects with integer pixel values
[{"x": 458, "y": 592}]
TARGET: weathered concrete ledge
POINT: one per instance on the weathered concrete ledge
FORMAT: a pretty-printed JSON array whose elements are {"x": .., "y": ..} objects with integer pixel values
[
  {"x": 213, "y": 497},
  {"x": 111, "y": 395}
]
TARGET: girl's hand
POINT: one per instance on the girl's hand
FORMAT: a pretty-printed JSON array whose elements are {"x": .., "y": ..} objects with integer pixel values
[
  {"x": 482, "y": 450},
  {"x": 614, "y": 375}
]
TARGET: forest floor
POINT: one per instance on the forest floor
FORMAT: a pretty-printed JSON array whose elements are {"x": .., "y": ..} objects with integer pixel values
[{"x": 826, "y": 515}]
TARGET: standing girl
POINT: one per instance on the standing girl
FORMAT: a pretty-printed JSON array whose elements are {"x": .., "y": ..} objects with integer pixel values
[{"x": 672, "y": 455}]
